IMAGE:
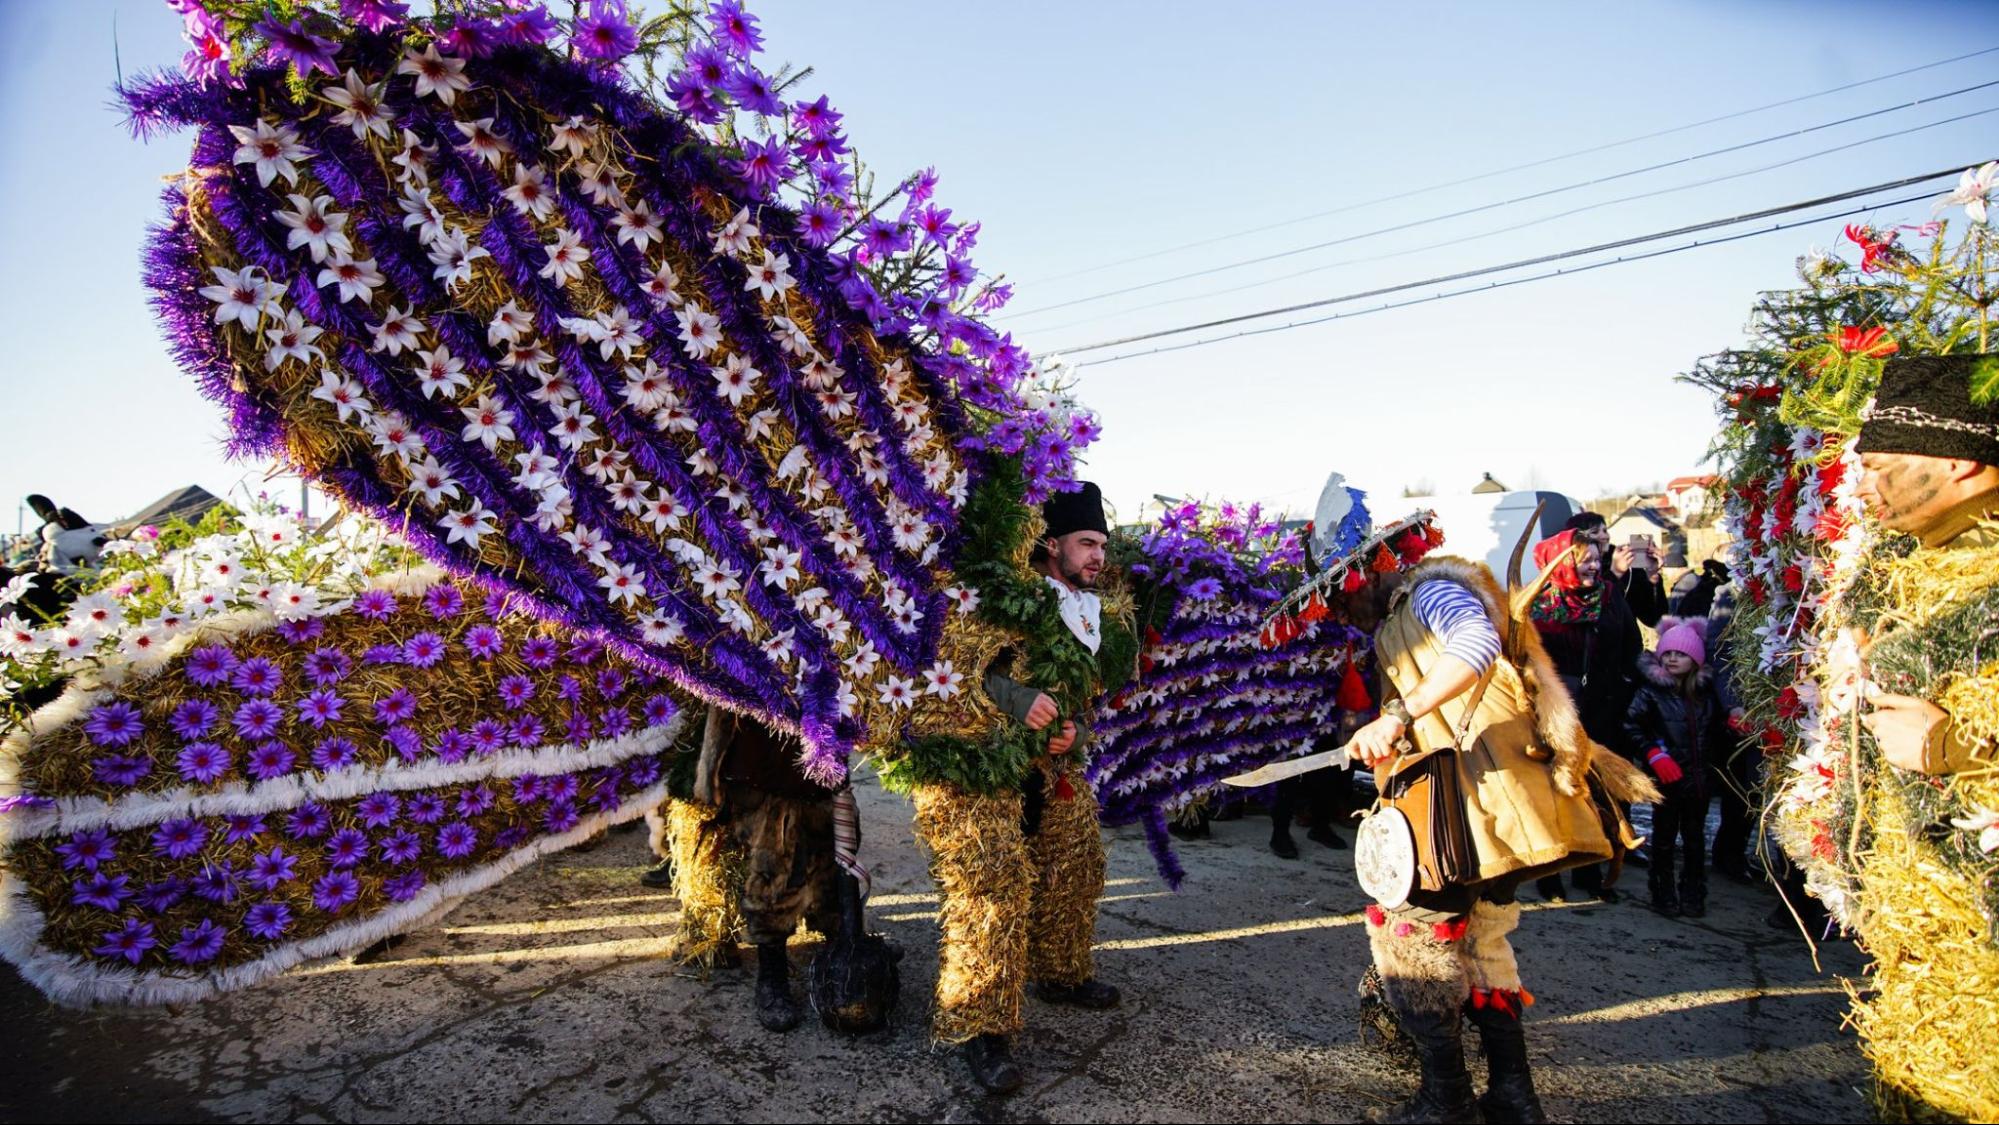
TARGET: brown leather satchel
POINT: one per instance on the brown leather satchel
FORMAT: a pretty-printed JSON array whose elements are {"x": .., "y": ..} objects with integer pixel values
[{"x": 1425, "y": 787}]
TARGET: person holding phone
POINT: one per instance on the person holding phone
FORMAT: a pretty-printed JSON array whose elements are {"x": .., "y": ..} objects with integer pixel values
[{"x": 1633, "y": 570}]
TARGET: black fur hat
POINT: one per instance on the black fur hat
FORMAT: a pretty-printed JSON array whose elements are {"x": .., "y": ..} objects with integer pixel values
[
  {"x": 1082, "y": 510},
  {"x": 1924, "y": 406}
]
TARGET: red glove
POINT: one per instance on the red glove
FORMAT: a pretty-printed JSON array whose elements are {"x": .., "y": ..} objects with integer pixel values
[{"x": 1664, "y": 765}]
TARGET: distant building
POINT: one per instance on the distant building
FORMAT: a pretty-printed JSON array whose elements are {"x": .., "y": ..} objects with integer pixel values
[
  {"x": 1691, "y": 496},
  {"x": 1489, "y": 485},
  {"x": 1654, "y": 524}
]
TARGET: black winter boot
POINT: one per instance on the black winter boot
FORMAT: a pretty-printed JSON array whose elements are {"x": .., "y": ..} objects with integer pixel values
[
  {"x": 776, "y": 1010},
  {"x": 1446, "y": 1092},
  {"x": 1693, "y": 893},
  {"x": 1509, "y": 1086},
  {"x": 991, "y": 1060},
  {"x": 1665, "y": 900}
]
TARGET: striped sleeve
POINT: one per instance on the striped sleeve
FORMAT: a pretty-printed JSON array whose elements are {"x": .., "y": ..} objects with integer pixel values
[{"x": 1458, "y": 617}]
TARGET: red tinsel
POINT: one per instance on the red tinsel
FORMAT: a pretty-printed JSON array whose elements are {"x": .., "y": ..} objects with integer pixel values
[
  {"x": 1412, "y": 546},
  {"x": 1434, "y": 534}
]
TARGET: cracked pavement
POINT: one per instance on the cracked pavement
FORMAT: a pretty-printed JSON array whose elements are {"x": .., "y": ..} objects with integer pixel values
[{"x": 553, "y": 997}]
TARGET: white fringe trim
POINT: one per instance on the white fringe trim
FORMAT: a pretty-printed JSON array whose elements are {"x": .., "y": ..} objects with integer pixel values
[{"x": 75, "y": 982}]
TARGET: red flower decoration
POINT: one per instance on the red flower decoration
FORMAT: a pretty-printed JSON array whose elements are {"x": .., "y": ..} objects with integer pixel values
[
  {"x": 1794, "y": 578},
  {"x": 1872, "y": 342},
  {"x": 1789, "y": 703},
  {"x": 1315, "y": 608},
  {"x": 1872, "y": 247},
  {"x": 1412, "y": 546}
]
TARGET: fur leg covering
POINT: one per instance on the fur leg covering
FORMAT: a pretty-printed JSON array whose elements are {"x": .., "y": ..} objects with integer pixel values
[
  {"x": 1488, "y": 957},
  {"x": 787, "y": 850},
  {"x": 985, "y": 879},
  {"x": 1422, "y": 968},
  {"x": 656, "y": 830},
  {"x": 707, "y": 875},
  {"x": 1068, "y": 855}
]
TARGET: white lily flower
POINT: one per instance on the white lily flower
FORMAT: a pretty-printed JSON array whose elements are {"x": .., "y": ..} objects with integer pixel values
[
  {"x": 700, "y": 330},
  {"x": 637, "y": 226},
  {"x": 899, "y": 693},
  {"x": 441, "y": 76},
  {"x": 780, "y": 566},
  {"x": 530, "y": 194},
  {"x": 735, "y": 235},
  {"x": 508, "y": 325},
  {"x": 441, "y": 372},
  {"x": 770, "y": 277},
  {"x": 660, "y": 286},
  {"x": 355, "y": 279},
  {"x": 242, "y": 296},
  {"x": 452, "y": 255},
  {"x": 430, "y": 481},
  {"x": 488, "y": 423},
  {"x": 397, "y": 331},
  {"x": 573, "y": 136},
  {"x": 1974, "y": 194},
  {"x": 468, "y": 525},
  {"x": 316, "y": 226},
  {"x": 735, "y": 380},
  {"x": 646, "y": 388},
  {"x": 622, "y": 584},
  {"x": 291, "y": 338},
  {"x": 348, "y": 397},
  {"x": 272, "y": 149},
  {"x": 942, "y": 680},
  {"x": 361, "y": 107},
  {"x": 566, "y": 258}
]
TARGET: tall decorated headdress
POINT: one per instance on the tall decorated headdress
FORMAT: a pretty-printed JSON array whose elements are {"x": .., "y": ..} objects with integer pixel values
[{"x": 1344, "y": 549}]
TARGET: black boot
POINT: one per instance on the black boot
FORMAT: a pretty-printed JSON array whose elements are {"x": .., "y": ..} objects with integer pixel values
[
  {"x": 1665, "y": 900},
  {"x": 1693, "y": 894},
  {"x": 1092, "y": 994},
  {"x": 1282, "y": 844},
  {"x": 1324, "y": 836},
  {"x": 1445, "y": 1094},
  {"x": 658, "y": 876},
  {"x": 1509, "y": 1086},
  {"x": 776, "y": 1010},
  {"x": 991, "y": 1061},
  {"x": 1551, "y": 888}
]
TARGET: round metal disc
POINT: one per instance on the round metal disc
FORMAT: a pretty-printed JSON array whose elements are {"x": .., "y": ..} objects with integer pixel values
[{"x": 1385, "y": 857}]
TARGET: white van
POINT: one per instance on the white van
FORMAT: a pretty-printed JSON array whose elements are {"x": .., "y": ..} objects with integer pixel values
[{"x": 1484, "y": 527}]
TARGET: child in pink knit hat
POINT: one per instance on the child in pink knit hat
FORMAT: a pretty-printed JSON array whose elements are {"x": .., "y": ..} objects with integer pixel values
[{"x": 1678, "y": 723}]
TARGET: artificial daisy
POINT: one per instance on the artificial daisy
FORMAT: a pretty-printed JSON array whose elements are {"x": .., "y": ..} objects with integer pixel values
[
  {"x": 488, "y": 423},
  {"x": 242, "y": 296},
  {"x": 440, "y": 76},
  {"x": 273, "y": 150},
  {"x": 291, "y": 337},
  {"x": 530, "y": 193},
  {"x": 440, "y": 372},
  {"x": 397, "y": 331},
  {"x": 467, "y": 525},
  {"x": 316, "y": 226},
  {"x": 566, "y": 258},
  {"x": 361, "y": 107}
]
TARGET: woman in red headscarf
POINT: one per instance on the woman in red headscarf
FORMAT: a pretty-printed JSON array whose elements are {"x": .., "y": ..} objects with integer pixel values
[{"x": 1590, "y": 631}]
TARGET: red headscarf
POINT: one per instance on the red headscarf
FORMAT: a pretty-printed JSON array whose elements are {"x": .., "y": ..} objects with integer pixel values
[{"x": 1563, "y": 599}]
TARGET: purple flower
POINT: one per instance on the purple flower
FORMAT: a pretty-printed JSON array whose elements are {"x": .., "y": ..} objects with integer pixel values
[
  {"x": 527, "y": 788},
  {"x": 209, "y": 60},
  {"x": 334, "y": 890},
  {"x": 530, "y": 27},
  {"x": 258, "y": 718},
  {"x": 102, "y": 890},
  {"x": 816, "y": 118},
  {"x": 290, "y": 42},
  {"x": 268, "y": 920},
  {"x": 321, "y": 707},
  {"x": 161, "y": 896},
  {"x": 114, "y": 724},
  {"x": 694, "y": 99},
  {"x": 400, "y": 847},
  {"x": 737, "y": 27},
  {"x": 819, "y": 223},
  {"x": 577, "y": 728},
  {"x": 443, "y": 600},
  {"x": 525, "y": 730},
  {"x": 568, "y": 689},
  {"x": 375, "y": 15},
  {"x": 327, "y": 666},
  {"x": 605, "y": 796},
  {"x": 753, "y": 91},
  {"x": 271, "y": 759},
  {"x": 424, "y": 650},
  {"x": 515, "y": 691},
  {"x": 180, "y": 838},
  {"x": 243, "y": 828},
  {"x": 193, "y": 718},
  {"x": 604, "y": 32},
  {"x": 642, "y": 772},
  {"x": 616, "y": 723},
  {"x": 474, "y": 801},
  {"x": 659, "y": 711},
  {"x": 453, "y": 746},
  {"x": 199, "y": 943},
  {"x": 379, "y": 810},
  {"x": 210, "y": 665},
  {"x": 376, "y": 604},
  {"x": 510, "y": 838},
  {"x": 488, "y": 736},
  {"x": 257, "y": 676},
  {"x": 610, "y": 683},
  {"x": 539, "y": 652},
  {"x": 883, "y": 237},
  {"x": 561, "y": 788},
  {"x": 347, "y": 848},
  {"x": 562, "y": 816},
  {"x": 707, "y": 66},
  {"x": 303, "y": 630},
  {"x": 835, "y": 180},
  {"x": 764, "y": 165},
  {"x": 395, "y": 707},
  {"x": 403, "y": 887},
  {"x": 334, "y": 755},
  {"x": 497, "y": 604},
  {"x": 271, "y": 869},
  {"x": 87, "y": 849},
  {"x": 129, "y": 941},
  {"x": 202, "y": 762},
  {"x": 586, "y": 651},
  {"x": 471, "y": 38},
  {"x": 383, "y": 654},
  {"x": 407, "y": 743},
  {"x": 425, "y": 808},
  {"x": 1204, "y": 589},
  {"x": 309, "y": 821},
  {"x": 456, "y": 840},
  {"x": 217, "y": 882},
  {"x": 484, "y": 642}
]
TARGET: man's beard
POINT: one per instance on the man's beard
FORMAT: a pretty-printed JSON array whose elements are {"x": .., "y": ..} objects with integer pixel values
[{"x": 1075, "y": 578}]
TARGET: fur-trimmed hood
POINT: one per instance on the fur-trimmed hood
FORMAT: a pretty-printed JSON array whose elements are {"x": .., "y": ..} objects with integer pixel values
[{"x": 1653, "y": 669}]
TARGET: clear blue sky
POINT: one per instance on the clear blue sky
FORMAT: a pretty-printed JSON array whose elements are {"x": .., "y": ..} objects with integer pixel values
[{"x": 1086, "y": 133}]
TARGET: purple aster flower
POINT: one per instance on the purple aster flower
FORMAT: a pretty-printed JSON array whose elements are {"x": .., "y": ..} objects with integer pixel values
[
  {"x": 471, "y": 38},
  {"x": 87, "y": 849},
  {"x": 376, "y": 604},
  {"x": 243, "y": 828},
  {"x": 403, "y": 887},
  {"x": 694, "y": 99},
  {"x": 202, "y": 762},
  {"x": 484, "y": 642},
  {"x": 577, "y": 729},
  {"x": 488, "y": 736},
  {"x": 443, "y": 600},
  {"x": 424, "y": 650},
  {"x": 819, "y": 223},
  {"x": 753, "y": 91},
  {"x": 659, "y": 711},
  {"x": 334, "y": 890},
  {"x": 604, "y": 31},
  {"x": 530, "y": 27},
  {"x": 610, "y": 683},
  {"x": 347, "y": 848},
  {"x": 737, "y": 27},
  {"x": 764, "y": 165},
  {"x": 562, "y": 816},
  {"x": 161, "y": 896},
  {"x": 819, "y": 148},
  {"x": 883, "y": 237},
  {"x": 525, "y": 730},
  {"x": 605, "y": 796},
  {"x": 256, "y": 676},
  {"x": 209, "y": 60},
  {"x": 258, "y": 718},
  {"x": 1204, "y": 589},
  {"x": 300, "y": 631},
  {"x": 407, "y": 743},
  {"x": 816, "y": 117},
  {"x": 835, "y": 180},
  {"x": 383, "y": 654},
  {"x": 539, "y": 652},
  {"x": 515, "y": 691},
  {"x": 210, "y": 665},
  {"x": 510, "y": 838},
  {"x": 707, "y": 66},
  {"x": 568, "y": 689},
  {"x": 217, "y": 882},
  {"x": 271, "y": 759},
  {"x": 616, "y": 724},
  {"x": 375, "y": 15},
  {"x": 102, "y": 890},
  {"x": 309, "y": 821},
  {"x": 400, "y": 847},
  {"x": 129, "y": 941},
  {"x": 193, "y": 718},
  {"x": 586, "y": 651},
  {"x": 290, "y": 42},
  {"x": 271, "y": 869},
  {"x": 453, "y": 746},
  {"x": 268, "y": 920},
  {"x": 395, "y": 707},
  {"x": 181, "y": 838},
  {"x": 475, "y": 801},
  {"x": 527, "y": 788},
  {"x": 335, "y": 754},
  {"x": 425, "y": 808},
  {"x": 498, "y": 604},
  {"x": 114, "y": 724},
  {"x": 457, "y": 840},
  {"x": 321, "y": 707},
  {"x": 642, "y": 772},
  {"x": 562, "y": 787},
  {"x": 379, "y": 810}
]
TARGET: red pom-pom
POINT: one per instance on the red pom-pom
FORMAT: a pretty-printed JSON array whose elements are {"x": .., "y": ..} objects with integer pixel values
[
  {"x": 1063, "y": 790},
  {"x": 1384, "y": 561},
  {"x": 1353, "y": 581},
  {"x": 1352, "y": 695},
  {"x": 1411, "y": 546},
  {"x": 1450, "y": 931},
  {"x": 1375, "y": 915}
]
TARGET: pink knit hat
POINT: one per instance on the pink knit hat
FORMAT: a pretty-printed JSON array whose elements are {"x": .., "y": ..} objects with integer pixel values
[{"x": 1686, "y": 636}]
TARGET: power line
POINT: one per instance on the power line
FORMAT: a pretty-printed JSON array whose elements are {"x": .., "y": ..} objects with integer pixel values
[
  {"x": 1510, "y": 282},
  {"x": 1397, "y": 227},
  {"x": 1543, "y": 259},
  {"x": 1542, "y": 162},
  {"x": 1519, "y": 226}
]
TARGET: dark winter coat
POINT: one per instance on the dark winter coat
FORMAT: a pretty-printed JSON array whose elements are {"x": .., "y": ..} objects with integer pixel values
[
  {"x": 1644, "y": 593},
  {"x": 1692, "y": 726},
  {"x": 1599, "y": 665}
]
